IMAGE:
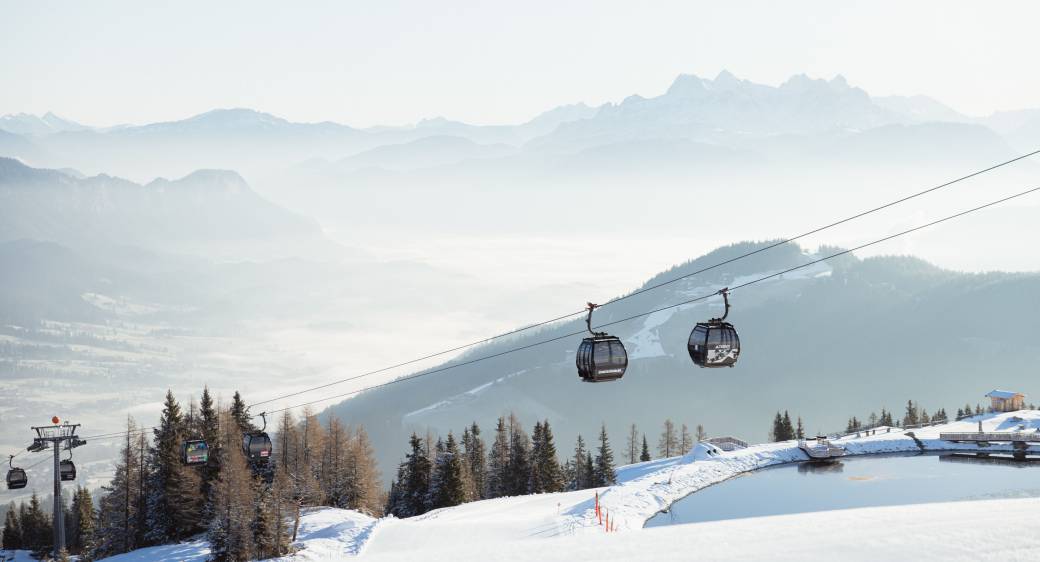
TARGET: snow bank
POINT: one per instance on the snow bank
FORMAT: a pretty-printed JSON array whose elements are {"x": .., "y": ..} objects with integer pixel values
[
  {"x": 991, "y": 530},
  {"x": 325, "y": 534},
  {"x": 645, "y": 489},
  {"x": 16, "y": 556},
  {"x": 330, "y": 534},
  {"x": 564, "y": 526},
  {"x": 191, "y": 551}
]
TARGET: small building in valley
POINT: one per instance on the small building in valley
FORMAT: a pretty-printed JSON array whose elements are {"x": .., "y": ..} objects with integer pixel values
[{"x": 1006, "y": 400}]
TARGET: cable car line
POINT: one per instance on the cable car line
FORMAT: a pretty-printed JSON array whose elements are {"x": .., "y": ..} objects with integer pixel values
[
  {"x": 639, "y": 315},
  {"x": 430, "y": 356},
  {"x": 669, "y": 307},
  {"x": 664, "y": 283}
]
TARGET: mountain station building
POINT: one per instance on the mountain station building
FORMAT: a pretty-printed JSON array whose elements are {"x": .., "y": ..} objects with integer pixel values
[{"x": 1005, "y": 400}]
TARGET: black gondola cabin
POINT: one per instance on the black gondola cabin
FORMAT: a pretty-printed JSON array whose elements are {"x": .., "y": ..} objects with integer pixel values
[
  {"x": 16, "y": 479},
  {"x": 715, "y": 343},
  {"x": 257, "y": 446},
  {"x": 67, "y": 470},
  {"x": 602, "y": 357}
]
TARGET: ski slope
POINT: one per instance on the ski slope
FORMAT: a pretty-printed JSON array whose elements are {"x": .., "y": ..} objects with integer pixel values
[{"x": 564, "y": 526}]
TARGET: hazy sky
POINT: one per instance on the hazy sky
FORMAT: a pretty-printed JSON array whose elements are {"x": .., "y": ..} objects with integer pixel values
[{"x": 395, "y": 62}]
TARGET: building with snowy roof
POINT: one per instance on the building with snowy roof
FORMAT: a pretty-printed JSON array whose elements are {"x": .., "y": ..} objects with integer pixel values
[{"x": 1006, "y": 400}]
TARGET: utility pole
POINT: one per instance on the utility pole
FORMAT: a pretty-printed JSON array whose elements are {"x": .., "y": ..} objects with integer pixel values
[{"x": 54, "y": 436}]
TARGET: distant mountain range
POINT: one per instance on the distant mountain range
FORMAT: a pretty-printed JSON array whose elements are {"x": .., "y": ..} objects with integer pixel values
[
  {"x": 46, "y": 124},
  {"x": 197, "y": 213},
  {"x": 725, "y": 111}
]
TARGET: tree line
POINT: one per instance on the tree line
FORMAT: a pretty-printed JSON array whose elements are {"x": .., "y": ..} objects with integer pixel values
[
  {"x": 248, "y": 508},
  {"x": 449, "y": 471},
  {"x": 913, "y": 414},
  {"x": 28, "y": 526}
]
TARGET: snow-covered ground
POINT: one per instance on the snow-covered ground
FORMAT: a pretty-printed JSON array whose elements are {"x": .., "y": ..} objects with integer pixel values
[{"x": 564, "y": 526}]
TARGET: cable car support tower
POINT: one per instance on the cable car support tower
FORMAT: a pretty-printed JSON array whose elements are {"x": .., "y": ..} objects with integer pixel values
[{"x": 55, "y": 436}]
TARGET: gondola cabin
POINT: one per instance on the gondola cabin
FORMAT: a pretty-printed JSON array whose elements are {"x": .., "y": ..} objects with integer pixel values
[
  {"x": 601, "y": 358},
  {"x": 67, "y": 470},
  {"x": 16, "y": 479},
  {"x": 196, "y": 452},
  {"x": 714, "y": 344},
  {"x": 257, "y": 446}
]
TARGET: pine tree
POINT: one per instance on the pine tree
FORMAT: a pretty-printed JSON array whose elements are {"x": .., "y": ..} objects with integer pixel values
[
  {"x": 209, "y": 431},
  {"x": 668, "y": 444},
  {"x": 81, "y": 522},
  {"x": 685, "y": 440},
  {"x": 173, "y": 499},
  {"x": 396, "y": 501},
  {"x": 588, "y": 469},
  {"x": 12, "y": 537},
  {"x": 37, "y": 529},
  {"x": 799, "y": 432},
  {"x": 417, "y": 485},
  {"x": 476, "y": 461},
  {"x": 535, "y": 483},
  {"x": 265, "y": 543},
  {"x": 645, "y": 454},
  {"x": 448, "y": 475},
  {"x": 702, "y": 435},
  {"x": 518, "y": 466},
  {"x": 777, "y": 433},
  {"x": 497, "y": 461},
  {"x": 141, "y": 511},
  {"x": 788, "y": 427},
  {"x": 240, "y": 414},
  {"x": 910, "y": 418},
  {"x": 633, "y": 445},
  {"x": 604, "y": 474},
  {"x": 26, "y": 525},
  {"x": 579, "y": 481},
  {"x": 546, "y": 473},
  {"x": 119, "y": 514},
  {"x": 230, "y": 531}
]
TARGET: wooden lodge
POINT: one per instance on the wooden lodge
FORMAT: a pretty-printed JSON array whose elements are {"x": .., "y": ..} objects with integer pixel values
[{"x": 1006, "y": 400}]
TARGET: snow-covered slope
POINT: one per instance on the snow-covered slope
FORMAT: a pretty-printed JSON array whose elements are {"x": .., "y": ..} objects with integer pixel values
[{"x": 564, "y": 526}]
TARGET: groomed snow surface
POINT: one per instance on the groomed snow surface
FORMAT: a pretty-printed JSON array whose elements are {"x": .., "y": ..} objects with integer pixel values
[{"x": 564, "y": 527}]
